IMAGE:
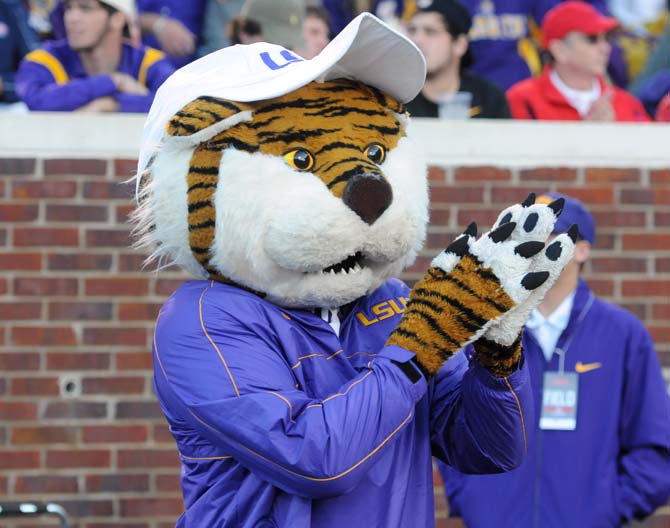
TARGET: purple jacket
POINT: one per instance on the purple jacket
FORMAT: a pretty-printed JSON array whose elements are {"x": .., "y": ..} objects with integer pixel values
[
  {"x": 53, "y": 79},
  {"x": 615, "y": 466},
  {"x": 280, "y": 423}
]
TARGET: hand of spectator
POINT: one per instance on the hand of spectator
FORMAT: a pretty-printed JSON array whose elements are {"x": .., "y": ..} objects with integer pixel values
[
  {"x": 174, "y": 37},
  {"x": 602, "y": 109},
  {"x": 101, "y": 104},
  {"x": 126, "y": 84}
]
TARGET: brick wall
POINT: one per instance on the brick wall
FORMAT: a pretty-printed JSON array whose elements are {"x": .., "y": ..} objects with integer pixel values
[{"x": 78, "y": 422}]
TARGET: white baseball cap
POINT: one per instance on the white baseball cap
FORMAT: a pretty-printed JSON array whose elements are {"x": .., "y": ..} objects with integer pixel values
[
  {"x": 125, "y": 6},
  {"x": 366, "y": 50}
]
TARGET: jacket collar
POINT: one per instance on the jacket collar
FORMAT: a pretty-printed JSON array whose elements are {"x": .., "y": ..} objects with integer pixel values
[{"x": 551, "y": 92}]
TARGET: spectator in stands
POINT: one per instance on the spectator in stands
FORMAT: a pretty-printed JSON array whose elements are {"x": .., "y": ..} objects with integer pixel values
[
  {"x": 573, "y": 86},
  {"x": 281, "y": 21},
  {"x": 173, "y": 26},
  {"x": 315, "y": 31},
  {"x": 94, "y": 69},
  {"x": 503, "y": 38},
  {"x": 244, "y": 31},
  {"x": 663, "y": 111},
  {"x": 219, "y": 15},
  {"x": 17, "y": 38},
  {"x": 440, "y": 28},
  {"x": 599, "y": 446}
]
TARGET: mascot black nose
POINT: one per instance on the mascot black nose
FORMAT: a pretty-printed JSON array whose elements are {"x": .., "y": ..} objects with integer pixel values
[{"x": 368, "y": 195}]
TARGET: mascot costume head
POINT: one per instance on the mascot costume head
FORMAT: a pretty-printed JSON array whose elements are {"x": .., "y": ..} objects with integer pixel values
[{"x": 292, "y": 178}]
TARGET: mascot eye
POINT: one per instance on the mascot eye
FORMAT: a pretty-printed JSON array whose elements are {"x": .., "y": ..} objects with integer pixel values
[
  {"x": 376, "y": 153},
  {"x": 299, "y": 159}
]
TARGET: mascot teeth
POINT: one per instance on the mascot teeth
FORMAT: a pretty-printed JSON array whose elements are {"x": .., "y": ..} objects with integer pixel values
[{"x": 351, "y": 264}]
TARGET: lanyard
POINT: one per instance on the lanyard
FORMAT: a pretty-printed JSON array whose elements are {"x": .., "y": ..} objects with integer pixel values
[{"x": 562, "y": 351}]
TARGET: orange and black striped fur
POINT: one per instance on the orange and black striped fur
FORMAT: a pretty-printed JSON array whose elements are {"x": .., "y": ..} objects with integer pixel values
[{"x": 317, "y": 117}]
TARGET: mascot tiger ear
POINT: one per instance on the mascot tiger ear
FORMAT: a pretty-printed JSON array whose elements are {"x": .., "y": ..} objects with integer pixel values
[{"x": 202, "y": 119}]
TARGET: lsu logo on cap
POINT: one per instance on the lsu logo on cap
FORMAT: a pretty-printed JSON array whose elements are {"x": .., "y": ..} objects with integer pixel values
[{"x": 289, "y": 58}]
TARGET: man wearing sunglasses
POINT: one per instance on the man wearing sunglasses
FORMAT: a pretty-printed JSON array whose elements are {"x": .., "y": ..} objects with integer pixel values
[{"x": 572, "y": 86}]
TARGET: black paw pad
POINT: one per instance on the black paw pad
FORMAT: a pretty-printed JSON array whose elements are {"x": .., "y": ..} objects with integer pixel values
[
  {"x": 534, "y": 279},
  {"x": 530, "y": 200},
  {"x": 505, "y": 219},
  {"x": 529, "y": 249},
  {"x": 557, "y": 206},
  {"x": 573, "y": 233},
  {"x": 554, "y": 251},
  {"x": 503, "y": 232},
  {"x": 531, "y": 222},
  {"x": 459, "y": 246}
]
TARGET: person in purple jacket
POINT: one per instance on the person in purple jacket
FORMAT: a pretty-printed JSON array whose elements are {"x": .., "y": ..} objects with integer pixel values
[
  {"x": 95, "y": 69},
  {"x": 599, "y": 450}
]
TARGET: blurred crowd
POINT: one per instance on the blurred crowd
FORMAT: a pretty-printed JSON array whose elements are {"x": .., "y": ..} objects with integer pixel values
[{"x": 523, "y": 59}]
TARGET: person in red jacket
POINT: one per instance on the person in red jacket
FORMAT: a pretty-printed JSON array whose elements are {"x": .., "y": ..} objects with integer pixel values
[
  {"x": 572, "y": 86},
  {"x": 663, "y": 110}
]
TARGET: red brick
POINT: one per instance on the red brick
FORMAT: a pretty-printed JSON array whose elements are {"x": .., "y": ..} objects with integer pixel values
[
  {"x": 661, "y": 311},
  {"x": 640, "y": 310},
  {"x": 134, "y": 360},
  {"x": 78, "y": 458},
  {"x": 44, "y": 189},
  {"x": 147, "y": 458},
  {"x": 661, "y": 219},
  {"x": 509, "y": 195},
  {"x": 108, "y": 238},
  {"x": 45, "y": 236},
  {"x": 17, "y": 166},
  {"x": 67, "y": 167},
  {"x": 438, "y": 241},
  {"x": 138, "y": 409},
  {"x": 39, "y": 484},
  {"x": 108, "y": 190},
  {"x": 78, "y": 509},
  {"x": 115, "y": 336},
  {"x": 19, "y": 460},
  {"x": 43, "y": 336},
  {"x": 18, "y": 212},
  {"x": 76, "y": 213},
  {"x": 115, "y": 385},
  {"x": 162, "y": 435},
  {"x": 611, "y": 175},
  {"x": 151, "y": 507},
  {"x": 44, "y": 435},
  {"x": 660, "y": 334},
  {"x": 645, "y": 196},
  {"x": 620, "y": 218},
  {"x": 117, "y": 287},
  {"x": 168, "y": 483},
  {"x": 123, "y": 213},
  {"x": 167, "y": 286},
  {"x": 481, "y": 174},
  {"x": 616, "y": 265},
  {"x": 45, "y": 287},
  {"x": 75, "y": 410},
  {"x": 437, "y": 174},
  {"x": 20, "y": 262},
  {"x": 3, "y": 237},
  {"x": 117, "y": 483},
  {"x": 662, "y": 265},
  {"x": 421, "y": 265},
  {"x": 132, "y": 262},
  {"x": 125, "y": 168},
  {"x": 19, "y": 310},
  {"x": 646, "y": 241},
  {"x": 16, "y": 361},
  {"x": 438, "y": 217},
  {"x": 605, "y": 241},
  {"x": 591, "y": 195},
  {"x": 548, "y": 174},
  {"x": 142, "y": 311},
  {"x": 661, "y": 176},
  {"x": 646, "y": 288},
  {"x": 113, "y": 434},
  {"x": 35, "y": 387},
  {"x": 604, "y": 288},
  {"x": 17, "y": 411},
  {"x": 78, "y": 361},
  {"x": 79, "y": 261},
  {"x": 118, "y": 524},
  {"x": 484, "y": 218},
  {"x": 451, "y": 195},
  {"x": 80, "y": 311}
]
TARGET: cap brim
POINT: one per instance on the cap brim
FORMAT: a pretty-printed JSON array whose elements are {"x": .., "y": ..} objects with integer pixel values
[
  {"x": 602, "y": 25},
  {"x": 366, "y": 50}
]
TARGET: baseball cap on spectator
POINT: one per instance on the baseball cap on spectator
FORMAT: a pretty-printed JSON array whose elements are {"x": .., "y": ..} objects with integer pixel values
[
  {"x": 366, "y": 50},
  {"x": 128, "y": 8},
  {"x": 456, "y": 18},
  {"x": 574, "y": 212},
  {"x": 574, "y": 15}
]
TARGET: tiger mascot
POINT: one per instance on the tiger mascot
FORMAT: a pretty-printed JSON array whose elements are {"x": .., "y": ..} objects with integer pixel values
[{"x": 303, "y": 384}]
